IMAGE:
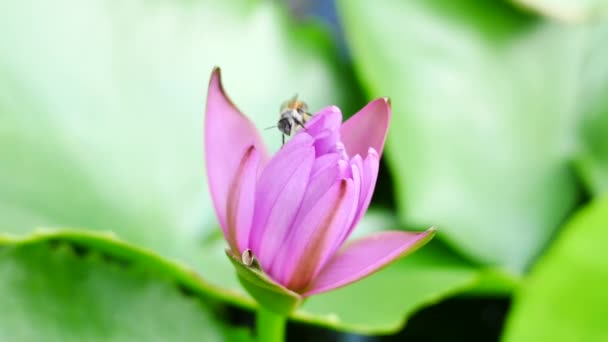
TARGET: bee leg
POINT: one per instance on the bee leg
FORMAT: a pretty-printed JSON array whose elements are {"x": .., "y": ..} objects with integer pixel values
[
  {"x": 301, "y": 124},
  {"x": 283, "y": 138}
]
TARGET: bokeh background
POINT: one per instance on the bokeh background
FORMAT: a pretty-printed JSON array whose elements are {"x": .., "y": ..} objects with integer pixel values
[{"x": 499, "y": 138}]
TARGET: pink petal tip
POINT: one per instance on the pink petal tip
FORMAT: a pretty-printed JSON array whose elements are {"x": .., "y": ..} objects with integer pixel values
[
  {"x": 365, "y": 256},
  {"x": 367, "y": 128},
  {"x": 228, "y": 134}
]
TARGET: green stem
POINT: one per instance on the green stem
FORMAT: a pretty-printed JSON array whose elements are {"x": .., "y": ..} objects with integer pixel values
[{"x": 270, "y": 326}]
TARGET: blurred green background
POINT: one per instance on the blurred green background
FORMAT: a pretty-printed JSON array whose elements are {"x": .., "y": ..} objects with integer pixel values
[{"x": 499, "y": 138}]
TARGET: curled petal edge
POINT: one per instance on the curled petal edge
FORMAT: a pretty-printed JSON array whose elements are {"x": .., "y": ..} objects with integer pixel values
[{"x": 240, "y": 201}]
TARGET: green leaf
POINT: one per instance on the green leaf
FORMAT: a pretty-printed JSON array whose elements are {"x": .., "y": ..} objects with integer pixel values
[
  {"x": 564, "y": 298},
  {"x": 484, "y": 104},
  {"x": 108, "y": 244},
  {"x": 384, "y": 300},
  {"x": 51, "y": 292},
  {"x": 570, "y": 11},
  {"x": 592, "y": 158}
]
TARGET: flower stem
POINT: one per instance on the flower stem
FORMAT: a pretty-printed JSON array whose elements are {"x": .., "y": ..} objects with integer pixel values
[{"x": 270, "y": 326}]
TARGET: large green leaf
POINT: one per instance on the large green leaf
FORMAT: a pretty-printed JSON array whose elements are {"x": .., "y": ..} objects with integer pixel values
[
  {"x": 564, "y": 298},
  {"x": 592, "y": 160},
  {"x": 50, "y": 293},
  {"x": 383, "y": 301},
  {"x": 571, "y": 11},
  {"x": 483, "y": 108}
]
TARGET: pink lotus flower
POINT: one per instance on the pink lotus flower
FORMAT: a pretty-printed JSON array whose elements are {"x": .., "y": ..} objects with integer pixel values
[{"x": 295, "y": 210}]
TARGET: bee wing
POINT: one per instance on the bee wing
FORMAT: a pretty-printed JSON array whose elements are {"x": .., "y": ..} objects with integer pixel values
[
  {"x": 284, "y": 106},
  {"x": 289, "y": 103}
]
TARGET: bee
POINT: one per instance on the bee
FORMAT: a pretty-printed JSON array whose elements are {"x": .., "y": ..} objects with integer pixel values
[{"x": 293, "y": 113}]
